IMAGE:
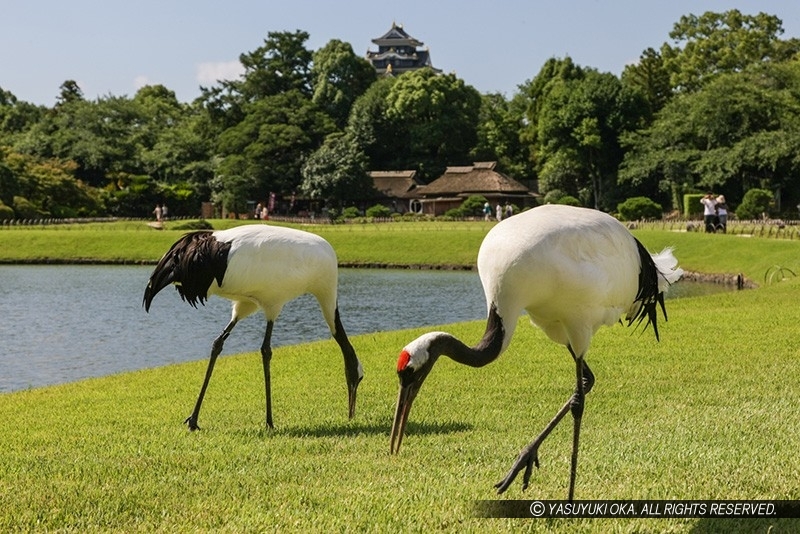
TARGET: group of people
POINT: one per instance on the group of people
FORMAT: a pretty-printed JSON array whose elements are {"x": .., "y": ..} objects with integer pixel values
[
  {"x": 261, "y": 212},
  {"x": 160, "y": 212},
  {"x": 499, "y": 211},
  {"x": 715, "y": 213}
]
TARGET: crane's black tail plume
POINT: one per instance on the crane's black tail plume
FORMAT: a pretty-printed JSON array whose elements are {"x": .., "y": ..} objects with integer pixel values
[
  {"x": 192, "y": 263},
  {"x": 656, "y": 274}
]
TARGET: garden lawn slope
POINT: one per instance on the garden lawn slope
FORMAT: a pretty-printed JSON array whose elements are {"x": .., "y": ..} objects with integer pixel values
[{"x": 710, "y": 412}]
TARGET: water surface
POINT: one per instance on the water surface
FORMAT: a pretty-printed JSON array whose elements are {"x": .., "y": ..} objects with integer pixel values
[{"x": 65, "y": 323}]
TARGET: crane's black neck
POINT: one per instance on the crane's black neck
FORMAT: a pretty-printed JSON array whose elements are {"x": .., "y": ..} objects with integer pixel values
[{"x": 486, "y": 351}]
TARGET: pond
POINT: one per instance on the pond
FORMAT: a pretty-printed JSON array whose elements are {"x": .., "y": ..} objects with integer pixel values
[{"x": 65, "y": 323}]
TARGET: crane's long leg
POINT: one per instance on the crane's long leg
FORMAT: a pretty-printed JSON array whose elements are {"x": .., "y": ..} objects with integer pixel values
[
  {"x": 216, "y": 348},
  {"x": 529, "y": 456},
  {"x": 266, "y": 357},
  {"x": 352, "y": 368}
]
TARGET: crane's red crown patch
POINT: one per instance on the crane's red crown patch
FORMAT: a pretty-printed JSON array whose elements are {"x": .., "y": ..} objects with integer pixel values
[{"x": 402, "y": 361}]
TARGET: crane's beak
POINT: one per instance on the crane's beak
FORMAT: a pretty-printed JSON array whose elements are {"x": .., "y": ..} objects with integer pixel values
[
  {"x": 405, "y": 399},
  {"x": 351, "y": 398}
]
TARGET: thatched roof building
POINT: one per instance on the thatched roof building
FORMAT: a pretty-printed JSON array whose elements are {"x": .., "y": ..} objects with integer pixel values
[
  {"x": 396, "y": 189},
  {"x": 458, "y": 183}
]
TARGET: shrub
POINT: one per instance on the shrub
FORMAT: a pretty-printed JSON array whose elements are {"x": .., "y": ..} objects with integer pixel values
[
  {"x": 25, "y": 209},
  {"x": 755, "y": 203},
  {"x": 378, "y": 211},
  {"x": 637, "y": 208},
  {"x": 473, "y": 206},
  {"x": 569, "y": 200},
  {"x": 6, "y": 212},
  {"x": 350, "y": 213},
  {"x": 455, "y": 213},
  {"x": 692, "y": 206},
  {"x": 553, "y": 196}
]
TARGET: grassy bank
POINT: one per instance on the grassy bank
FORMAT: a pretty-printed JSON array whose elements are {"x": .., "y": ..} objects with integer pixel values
[
  {"x": 429, "y": 244},
  {"x": 709, "y": 412}
]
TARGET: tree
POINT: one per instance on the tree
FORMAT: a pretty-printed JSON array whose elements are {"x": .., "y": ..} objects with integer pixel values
[
  {"x": 372, "y": 130},
  {"x": 498, "y": 135},
  {"x": 338, "y": 172},
  {"x": 276, "y": 136},
  {"x": 739, "y": 131},
  {"x": 651, "y": 78},
  {"x": 714, "y": 43},
  {"x": 282, "y": 64},
  {"x": 339, "y": 77},
  {"x": 527, "y": 103},
  {"x": 16, "y": 117},
  {"x": 438, "y": 115},
  {"x": 579, "y": 124}
]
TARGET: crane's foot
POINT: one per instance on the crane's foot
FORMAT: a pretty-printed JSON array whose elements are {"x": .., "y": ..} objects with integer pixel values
[
  {"x": 192, "y": 422},
  {"x": 528, "y": 457}
]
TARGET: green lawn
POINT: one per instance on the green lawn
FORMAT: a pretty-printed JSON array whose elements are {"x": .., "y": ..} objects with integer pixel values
[{"x": 710, "y": 412}]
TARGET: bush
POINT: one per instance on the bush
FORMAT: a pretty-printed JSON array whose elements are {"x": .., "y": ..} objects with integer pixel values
[
  {"x": 25, "y": 209},
  {"x": 755, "y": 204},
  {"x": 378, "y": 211},
  {"x": 692, "y": 206},
  {"x": 553, "y": 196},
  {"x": 473, "y": 206},
  {"x": 569, "y": 200},
  {"x": 350, "y": 213},
  {"x": 455, "y": 213},
  {"x": 638, "y": 208},
  {"x": 6, "y": 212}
]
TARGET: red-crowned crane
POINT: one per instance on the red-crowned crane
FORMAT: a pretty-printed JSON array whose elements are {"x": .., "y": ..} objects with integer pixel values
[
  {"x": 572, "y": 270},
  {"x": 256, "y": 266}
]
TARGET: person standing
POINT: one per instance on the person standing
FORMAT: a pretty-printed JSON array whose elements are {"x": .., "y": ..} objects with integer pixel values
[
  {"x": 499, "y": 212},
  {"x": 722, "y": 213},
  {"x": 709, "y": 211}
]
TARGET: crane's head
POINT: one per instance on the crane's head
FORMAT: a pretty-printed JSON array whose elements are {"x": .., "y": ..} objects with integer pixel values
[{"x": 415, "y": 362}]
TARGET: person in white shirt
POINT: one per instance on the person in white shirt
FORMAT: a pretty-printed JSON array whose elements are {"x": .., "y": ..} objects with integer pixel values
[{"x": 709, "y": 211}]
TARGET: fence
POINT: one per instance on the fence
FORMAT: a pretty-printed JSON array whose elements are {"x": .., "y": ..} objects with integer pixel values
[
  {"x": 780, "y": 229},
  {"x": 770, "y": 228}
]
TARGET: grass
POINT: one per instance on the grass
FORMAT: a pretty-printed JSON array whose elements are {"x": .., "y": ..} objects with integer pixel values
[
  {"x": 709, "y": 412},
  {"x": 427, "y": 244}
]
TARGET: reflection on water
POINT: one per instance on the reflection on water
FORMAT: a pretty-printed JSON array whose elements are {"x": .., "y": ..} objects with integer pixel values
[{"x": 64, "y": 323}]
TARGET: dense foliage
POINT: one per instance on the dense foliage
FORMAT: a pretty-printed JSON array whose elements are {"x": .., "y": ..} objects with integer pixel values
[{"x": 715, "y": 108}]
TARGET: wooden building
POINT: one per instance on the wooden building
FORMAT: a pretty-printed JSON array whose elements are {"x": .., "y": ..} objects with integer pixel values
[
  {"x": 459, "y": 183},
  {"x": 397, "y": 190}
]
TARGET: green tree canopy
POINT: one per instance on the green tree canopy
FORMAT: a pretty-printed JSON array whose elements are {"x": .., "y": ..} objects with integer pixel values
[
  {"x": 715, "y": 43},
  {"x": 435, "y": 117},
  {"x": 339, "y": 77},
  {"x": 741, "y": 130}
]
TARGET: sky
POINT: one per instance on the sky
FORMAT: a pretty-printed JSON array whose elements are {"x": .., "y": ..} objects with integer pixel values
[{"x": 113, "y": 47}]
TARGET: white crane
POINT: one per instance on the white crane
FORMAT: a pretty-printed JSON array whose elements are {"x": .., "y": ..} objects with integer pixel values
[
  {"x": 256, "y": 266},
  {"x": 572, "y": 270}
]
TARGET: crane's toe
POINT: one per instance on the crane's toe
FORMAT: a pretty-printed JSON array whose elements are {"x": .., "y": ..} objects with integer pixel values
[
  {"x": 192, "y": 422},
  {"x": 528, "y": 457}
]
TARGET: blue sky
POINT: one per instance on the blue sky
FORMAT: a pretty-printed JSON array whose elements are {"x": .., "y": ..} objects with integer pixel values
[{"x": 112, "y": 48}]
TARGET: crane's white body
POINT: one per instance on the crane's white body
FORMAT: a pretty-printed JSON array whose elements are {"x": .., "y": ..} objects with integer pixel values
[
  {"x": 256, "y": 266},
  {"x": 269, "y": 266},
  {"x": 572, "y": 270}
]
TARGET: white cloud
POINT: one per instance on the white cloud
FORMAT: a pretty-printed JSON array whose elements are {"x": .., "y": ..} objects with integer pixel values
[
  {"x": 209, "y": 73},
  {"x": 141, "y": 81}
]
